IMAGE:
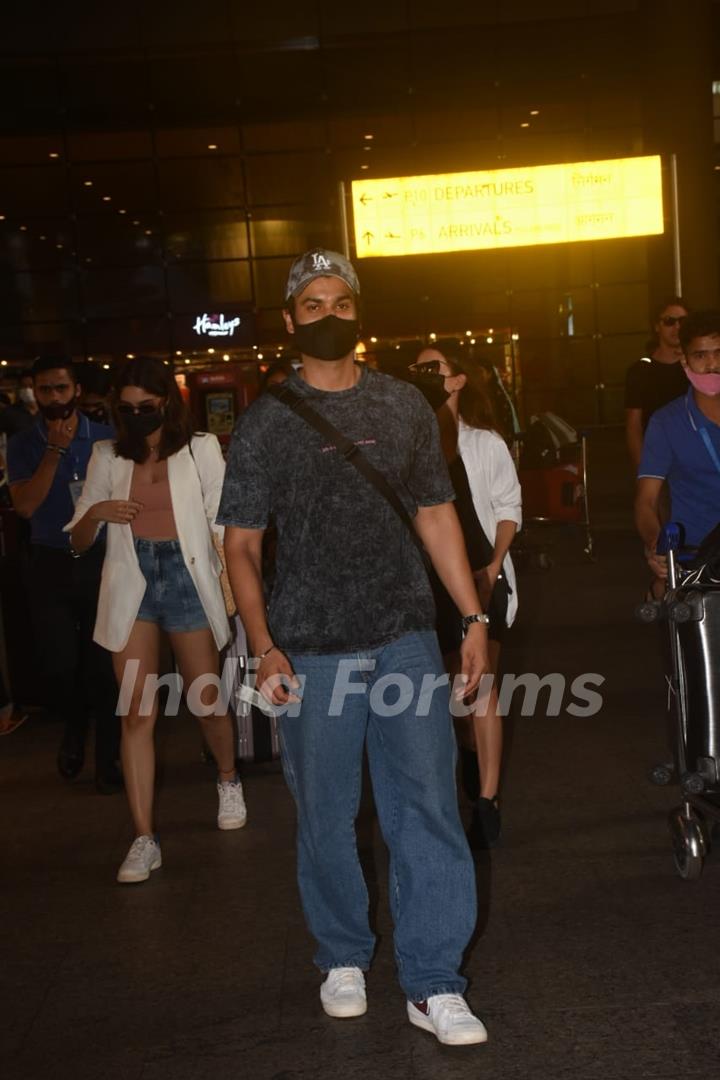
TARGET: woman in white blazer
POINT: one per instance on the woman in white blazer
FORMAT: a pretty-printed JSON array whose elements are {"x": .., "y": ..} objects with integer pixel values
[
  {"x": 157, "y": 487},
  {"x": 489, "y": 506}
]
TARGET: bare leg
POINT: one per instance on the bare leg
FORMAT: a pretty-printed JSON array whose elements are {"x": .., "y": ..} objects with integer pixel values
[
  {"x": 196, "y": 657},
  {"x": 137, "y": 750},
  {"x": 488, "y": 734}
]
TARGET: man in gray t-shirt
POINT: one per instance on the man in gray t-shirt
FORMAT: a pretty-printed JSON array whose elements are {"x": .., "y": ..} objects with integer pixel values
[{"x": 347, "y": 650}]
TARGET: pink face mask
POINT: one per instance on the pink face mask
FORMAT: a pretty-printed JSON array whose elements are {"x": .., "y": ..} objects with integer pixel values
[{"x": 707, "y": 384}]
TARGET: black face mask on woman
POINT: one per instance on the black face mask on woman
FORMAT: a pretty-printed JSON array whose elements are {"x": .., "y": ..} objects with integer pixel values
[
  {"x": 329, "y": 338},
  {"x": 142, "y": 424},
  {"x": 57, "y": 411},
  {"x": 432, "y": 387}
]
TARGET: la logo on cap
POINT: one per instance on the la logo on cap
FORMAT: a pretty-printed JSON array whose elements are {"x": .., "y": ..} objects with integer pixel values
[{"x": 320, "y": 261}]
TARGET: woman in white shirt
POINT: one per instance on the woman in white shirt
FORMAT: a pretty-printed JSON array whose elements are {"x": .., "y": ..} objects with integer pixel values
[
  {"x": 489, "y": 505},
  {"x": 157, "y": 486}
]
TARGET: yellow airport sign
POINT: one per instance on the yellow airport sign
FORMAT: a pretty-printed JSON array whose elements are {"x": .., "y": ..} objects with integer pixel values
[{"x": 542, "y": 204}]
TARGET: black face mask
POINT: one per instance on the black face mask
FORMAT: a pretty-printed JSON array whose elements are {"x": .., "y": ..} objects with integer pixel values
[
  {"x": 329, "y": 338},
  {"x": 432, "y": 388},
  {"x": 57, "y": 411},
  {"x": 142, "y": 424},
  {"x": 98, "y": 413}
]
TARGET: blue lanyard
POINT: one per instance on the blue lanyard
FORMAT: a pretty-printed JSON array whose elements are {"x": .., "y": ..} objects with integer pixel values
[{"x": 710, "y": 448}]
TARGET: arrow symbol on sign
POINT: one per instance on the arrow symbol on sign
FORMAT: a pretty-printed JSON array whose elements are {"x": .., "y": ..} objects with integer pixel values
[
  {"x": 364, "y": 199},
  {"x": 368, "y": 236},
  {"x": 391, "y": 194}
]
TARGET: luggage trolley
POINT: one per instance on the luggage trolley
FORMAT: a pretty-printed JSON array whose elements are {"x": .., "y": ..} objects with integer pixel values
[
  {"x": 552, "y": 461},
  {"x": 691, "y": 607}
]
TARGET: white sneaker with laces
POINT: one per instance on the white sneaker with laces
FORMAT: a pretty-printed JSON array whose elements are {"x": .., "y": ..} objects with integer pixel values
[
  {"x": 449, "y": 1019},
  {"x": 232, "y": 812},
  {"x": 144, "y": 855},
  {"x": 343, "y": 992}
]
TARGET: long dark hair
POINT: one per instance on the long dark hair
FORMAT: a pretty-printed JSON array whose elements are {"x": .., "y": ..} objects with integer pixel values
[{"x": 157, "y": 378}]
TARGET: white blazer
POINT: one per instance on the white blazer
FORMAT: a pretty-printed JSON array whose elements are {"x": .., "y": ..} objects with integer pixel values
[
  {"x": 495, "y": 490},
  {"x": 196, "y": 482}
]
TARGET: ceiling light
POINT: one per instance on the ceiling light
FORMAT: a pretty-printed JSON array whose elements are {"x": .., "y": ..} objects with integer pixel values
[
  {"x": 136, "y": 222},
  {"x": 3, "y": 363},
  {"x": 534, "y": 112},
  {"x": 211, "y": 351},
  {"x": 259, "y": 356},
  {"x": 122, "y": 211},
  {"x": 432, "y": 337},
  {"x": 58, "y": 246},
  {"x": 364, "y": 166},
  {"x": 87, "y": 183},
  {"x": 468, "y": 333},
  {"x": 148, "y": 232},
  {"x": 525, "y": 124},
  {"x": 130, "y": 355},
  {"x": 374, "y": 340},
  {"x": 368, "y": 136},
  {"x": 489, "y": 340},
  {"x": 212, "y": 146},
  {"x": 23, "y": 228},
  {"x": 515, "y": 337},
  {"x": 472, "y": 340},
  {"x": 106, "y": 366},
  {"x": 226, "y": 356},
  {"x": 107, "y": 198},
  {"x": 178, "y": 352},
  {"x": 2, "y": 217},
  {"x": 53, "y": 154},
  {"x": 43, "y": 237}
]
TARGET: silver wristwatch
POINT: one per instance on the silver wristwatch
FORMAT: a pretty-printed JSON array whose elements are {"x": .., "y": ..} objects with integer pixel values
[{"x": 468, "y": 619}]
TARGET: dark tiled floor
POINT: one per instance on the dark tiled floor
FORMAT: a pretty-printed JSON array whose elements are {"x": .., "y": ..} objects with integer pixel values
[{"x": 593, "y": 962}]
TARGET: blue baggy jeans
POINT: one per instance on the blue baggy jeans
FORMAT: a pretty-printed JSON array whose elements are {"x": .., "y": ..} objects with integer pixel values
[{"x": 412, "y": 766}]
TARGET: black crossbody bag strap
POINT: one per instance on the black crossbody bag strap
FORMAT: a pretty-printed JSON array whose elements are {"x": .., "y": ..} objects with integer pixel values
[{"x": 352, "y": 454}]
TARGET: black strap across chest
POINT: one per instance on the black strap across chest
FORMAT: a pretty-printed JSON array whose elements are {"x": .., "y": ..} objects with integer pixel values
[{"x": 352, "y": 454}]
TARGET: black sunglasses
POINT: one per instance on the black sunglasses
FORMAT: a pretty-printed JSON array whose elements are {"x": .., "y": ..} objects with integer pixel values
[
  {"x": 126, "y": 409},
  {"x": 671, "y": 320}
]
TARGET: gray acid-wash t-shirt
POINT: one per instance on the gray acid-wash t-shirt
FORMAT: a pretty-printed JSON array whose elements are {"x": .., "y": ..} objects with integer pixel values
[{"x": 348, "y": 574}]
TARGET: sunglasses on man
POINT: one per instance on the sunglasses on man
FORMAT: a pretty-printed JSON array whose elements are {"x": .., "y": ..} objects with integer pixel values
[{"x": 672, "y": 320}]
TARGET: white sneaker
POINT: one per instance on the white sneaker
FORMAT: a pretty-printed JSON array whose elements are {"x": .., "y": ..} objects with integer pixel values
[
  {"x": 144, "y": 855},
  {"x": 449, "y": 1018},
  {"x": 232, "y": 813},
  {"x": 343, "y": 992}
]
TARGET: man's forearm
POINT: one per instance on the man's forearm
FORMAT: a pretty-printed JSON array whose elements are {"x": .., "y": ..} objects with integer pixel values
[
  {"x": 648, "y": 524},
  {"x": 29, "y": 495},
  {"x": 439, "y": 529},
  {"x": 245, "y": 574}
]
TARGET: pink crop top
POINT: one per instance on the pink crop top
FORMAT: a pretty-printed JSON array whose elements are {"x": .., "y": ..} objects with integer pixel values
[{"x": 156, "y": 520}]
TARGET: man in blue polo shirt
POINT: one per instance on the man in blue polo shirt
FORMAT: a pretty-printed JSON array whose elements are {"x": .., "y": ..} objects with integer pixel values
[
  {"x": 682, "y": 445},
  {"x": 46, "y": 469}
]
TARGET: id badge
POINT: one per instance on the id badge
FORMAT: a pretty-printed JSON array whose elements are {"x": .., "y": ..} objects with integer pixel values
[{"x": 76, "y": 487}]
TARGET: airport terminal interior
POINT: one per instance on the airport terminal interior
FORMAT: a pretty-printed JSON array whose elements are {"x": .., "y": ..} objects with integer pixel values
[{"x": 529, "y": 181}]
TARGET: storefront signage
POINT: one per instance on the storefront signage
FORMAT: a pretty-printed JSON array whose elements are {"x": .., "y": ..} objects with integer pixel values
[
  {"x": 215, "y": 326},
  {"x": 544, "y": 204}
]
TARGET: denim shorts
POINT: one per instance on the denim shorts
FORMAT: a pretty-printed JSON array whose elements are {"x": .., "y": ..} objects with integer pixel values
[{"x": 171, "y": 599}]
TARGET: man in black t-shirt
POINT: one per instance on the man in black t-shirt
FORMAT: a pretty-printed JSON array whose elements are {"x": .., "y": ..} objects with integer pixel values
[
  {"x": 350, "y": 630},
  {"x": 655, "y": 379}
]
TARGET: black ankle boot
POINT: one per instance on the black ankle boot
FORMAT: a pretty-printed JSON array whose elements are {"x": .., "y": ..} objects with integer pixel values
[
  {"x": 484, "y": 831},
  {"x": 469, "y": 774}
]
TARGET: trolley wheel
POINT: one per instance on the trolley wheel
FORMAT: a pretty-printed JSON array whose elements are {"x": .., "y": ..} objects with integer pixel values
[
  {"x": 692, "y": 783},
  {"x": 688, "y": 864},
  {"x": 661, "y": 775},
  {"x": 688, "y": 844},
  {"x": 649, "y": 611}
]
